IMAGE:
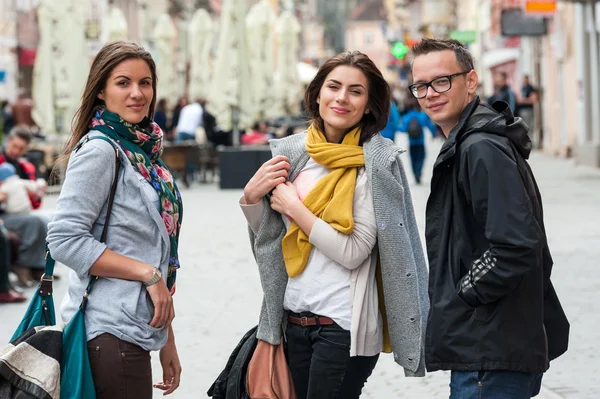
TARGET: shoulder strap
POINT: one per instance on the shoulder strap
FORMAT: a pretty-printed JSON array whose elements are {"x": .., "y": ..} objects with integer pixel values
[{"x": 46, "y": 284}]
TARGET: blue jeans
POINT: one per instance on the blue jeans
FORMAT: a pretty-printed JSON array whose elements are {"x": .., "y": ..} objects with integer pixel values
[
  {"x": 494, "y": 385},
  {"x": 183, "y": 136}
]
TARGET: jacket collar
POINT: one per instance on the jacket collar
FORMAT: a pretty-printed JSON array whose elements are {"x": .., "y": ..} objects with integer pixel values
[{"x": 449, "y": 148}]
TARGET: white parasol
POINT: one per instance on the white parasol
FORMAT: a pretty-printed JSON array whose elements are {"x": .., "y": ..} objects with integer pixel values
[
  {"x": 115, "y": 25},
  {"x": 43, "y": 88},
  {"x": 231, "y": 99},
  {"x": 200, "y": 40},
  {"x": 164, "y": 35},
  {"x": 287, "y": 86},
  {"x": 260, "y": 26}
]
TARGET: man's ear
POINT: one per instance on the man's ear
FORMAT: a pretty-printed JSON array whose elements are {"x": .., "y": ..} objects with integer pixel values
[{"x": 472, "y": 82}]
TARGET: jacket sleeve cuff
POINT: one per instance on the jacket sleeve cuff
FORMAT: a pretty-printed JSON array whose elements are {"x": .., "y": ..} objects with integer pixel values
[
  {"x": 253, "y": 213},
  {"x": 467, "y": 297}
]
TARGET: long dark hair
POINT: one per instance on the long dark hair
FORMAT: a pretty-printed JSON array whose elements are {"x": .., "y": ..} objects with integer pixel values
[
  {"x": 379, "y": 93},
  {"x": 107, "y": 59}
]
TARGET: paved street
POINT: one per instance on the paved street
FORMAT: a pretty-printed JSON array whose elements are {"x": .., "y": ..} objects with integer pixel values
[{"x": 219, "y": 292}]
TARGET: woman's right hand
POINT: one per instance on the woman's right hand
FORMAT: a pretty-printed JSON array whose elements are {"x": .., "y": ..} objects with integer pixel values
[
  {"x": 270, "y": 175},
  {"x": 164, "y": 312}
]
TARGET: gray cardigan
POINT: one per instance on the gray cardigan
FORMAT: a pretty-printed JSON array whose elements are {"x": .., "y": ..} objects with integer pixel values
[
  {"x": 119, "y": 307},
  {"x": 403, "y": 265}
]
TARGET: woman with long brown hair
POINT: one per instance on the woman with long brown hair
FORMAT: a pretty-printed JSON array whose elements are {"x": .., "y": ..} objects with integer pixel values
[
  {"x": 130, "y": 309},
  {"x": 335, "y": 239}
]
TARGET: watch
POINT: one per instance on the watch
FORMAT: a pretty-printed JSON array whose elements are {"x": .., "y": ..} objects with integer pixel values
[{"x": 156, "y": 277}]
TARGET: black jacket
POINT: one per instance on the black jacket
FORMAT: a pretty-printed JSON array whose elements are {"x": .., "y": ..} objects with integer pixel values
[
  {"x": 231, "y": 383},
  {"x": 493, "y": 306}
]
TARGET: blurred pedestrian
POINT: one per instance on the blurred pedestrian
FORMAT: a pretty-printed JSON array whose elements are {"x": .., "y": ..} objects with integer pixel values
[
  {"x": 503, "y": 92},
  {"x": 393, "y": 122},
  {"x": 7, "y": 118},
  {"x": 528, "y": 99},
  {"x": 21, "y": 111},
  {"x": 213, "y": 131},
  {"x": 334, "y": 235},
  {"x": 31, "y": 228},
  {"x": 495, "y": 320},
  {"x": 259, "y": 134},
  {"x": 413, "y": 123},
  {"x": 7, "y": 293},
  {"x": 160, "y": 116},
  {"x": 130, "y": 308},
  {"x": 190, "y": 119},
  {"x": 175, "y": 118}
]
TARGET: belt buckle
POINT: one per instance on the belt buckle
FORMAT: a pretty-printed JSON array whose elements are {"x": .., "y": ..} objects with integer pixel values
[{"x": 304, "y": 321}]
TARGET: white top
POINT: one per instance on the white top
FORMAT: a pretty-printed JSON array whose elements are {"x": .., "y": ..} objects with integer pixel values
[
  {"x": 17, "y": 194},
  {"x": 190, "y": 118},
  {"x": 355, "y": 252},
  {"x": 323, "y": 288}
]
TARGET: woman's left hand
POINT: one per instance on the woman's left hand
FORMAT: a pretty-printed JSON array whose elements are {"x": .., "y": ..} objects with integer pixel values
[
  {"x": 169, "y": 359},
  {"x": 284, "y": 198}
]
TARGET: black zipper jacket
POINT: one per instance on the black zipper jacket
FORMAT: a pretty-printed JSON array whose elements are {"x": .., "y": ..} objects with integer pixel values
[{"x": 493, "y": 306}]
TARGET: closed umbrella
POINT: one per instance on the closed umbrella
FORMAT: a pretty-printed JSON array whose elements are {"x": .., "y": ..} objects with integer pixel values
[
  {"x": 115, "y": 25},
  {"x": 200, "y": 40},
  {"x": 260, "y": 26},
  {"x": 43, "y": 88},
  {"x": 73, "y": 65},
  {"x": 164, "y": 35},
  {"x": 288, "y": 87},
  {"x": 231, "y": 95}
]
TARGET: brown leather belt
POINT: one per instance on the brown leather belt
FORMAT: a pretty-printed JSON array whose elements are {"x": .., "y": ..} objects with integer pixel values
[{"x": 311, "y": 320}]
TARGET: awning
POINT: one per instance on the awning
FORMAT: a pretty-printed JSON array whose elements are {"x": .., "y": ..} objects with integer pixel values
[{"x": 494, "y": 57}]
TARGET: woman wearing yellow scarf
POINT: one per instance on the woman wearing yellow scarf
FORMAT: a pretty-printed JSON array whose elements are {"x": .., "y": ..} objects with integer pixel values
[{"x": 335, "y": 238}]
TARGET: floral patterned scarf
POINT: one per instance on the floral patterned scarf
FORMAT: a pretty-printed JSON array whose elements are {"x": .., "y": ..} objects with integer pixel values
[{"x": 143, "y": 145}]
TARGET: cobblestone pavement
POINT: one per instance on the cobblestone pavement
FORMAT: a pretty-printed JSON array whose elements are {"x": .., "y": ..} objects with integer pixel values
[{"x": 219, "y": 294}]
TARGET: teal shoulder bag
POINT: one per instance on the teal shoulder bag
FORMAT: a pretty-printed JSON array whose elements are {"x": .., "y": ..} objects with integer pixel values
[{"x": 44, "y": 360}]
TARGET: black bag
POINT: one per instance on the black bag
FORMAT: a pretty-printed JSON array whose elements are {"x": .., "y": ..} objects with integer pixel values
[
  {"x": 231, "y": 383},
  {"x": 415, "y": 130}
]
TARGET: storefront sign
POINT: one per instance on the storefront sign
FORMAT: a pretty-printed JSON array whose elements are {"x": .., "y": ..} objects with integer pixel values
[{"x": 539, "y": 7}]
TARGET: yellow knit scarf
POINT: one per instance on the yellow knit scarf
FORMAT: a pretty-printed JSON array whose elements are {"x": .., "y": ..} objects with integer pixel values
[{"x": 331, "y": 198}]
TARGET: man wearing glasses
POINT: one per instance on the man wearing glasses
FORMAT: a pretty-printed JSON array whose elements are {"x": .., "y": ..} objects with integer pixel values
[{"x": 495, "y": 320}]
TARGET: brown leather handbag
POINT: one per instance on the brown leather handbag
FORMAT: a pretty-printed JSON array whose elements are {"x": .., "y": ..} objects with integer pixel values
[{"x": 268, "y": 375}]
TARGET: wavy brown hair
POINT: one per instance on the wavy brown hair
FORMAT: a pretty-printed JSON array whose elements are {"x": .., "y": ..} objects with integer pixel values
[
  {"x": 379, "y": 93},
  {"x": 107, "y": 59}
]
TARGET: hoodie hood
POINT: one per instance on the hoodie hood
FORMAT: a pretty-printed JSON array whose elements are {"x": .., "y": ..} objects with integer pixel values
[{"x": 478, "y": 117}]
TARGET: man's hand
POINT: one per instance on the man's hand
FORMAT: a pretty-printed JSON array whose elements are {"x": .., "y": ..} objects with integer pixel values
[{"x": 3, "y": 196}]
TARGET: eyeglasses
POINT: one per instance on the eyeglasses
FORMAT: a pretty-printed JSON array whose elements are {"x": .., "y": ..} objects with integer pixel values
[{"x": 440, "y": 85}]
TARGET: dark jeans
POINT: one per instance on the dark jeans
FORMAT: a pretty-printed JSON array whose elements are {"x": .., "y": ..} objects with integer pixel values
[
  {"x": 494, "y": 385},
  {"x": 417, "y": 159},
  {"x": 121, "y": 370},
  {"x": 320, "y": 363}
]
